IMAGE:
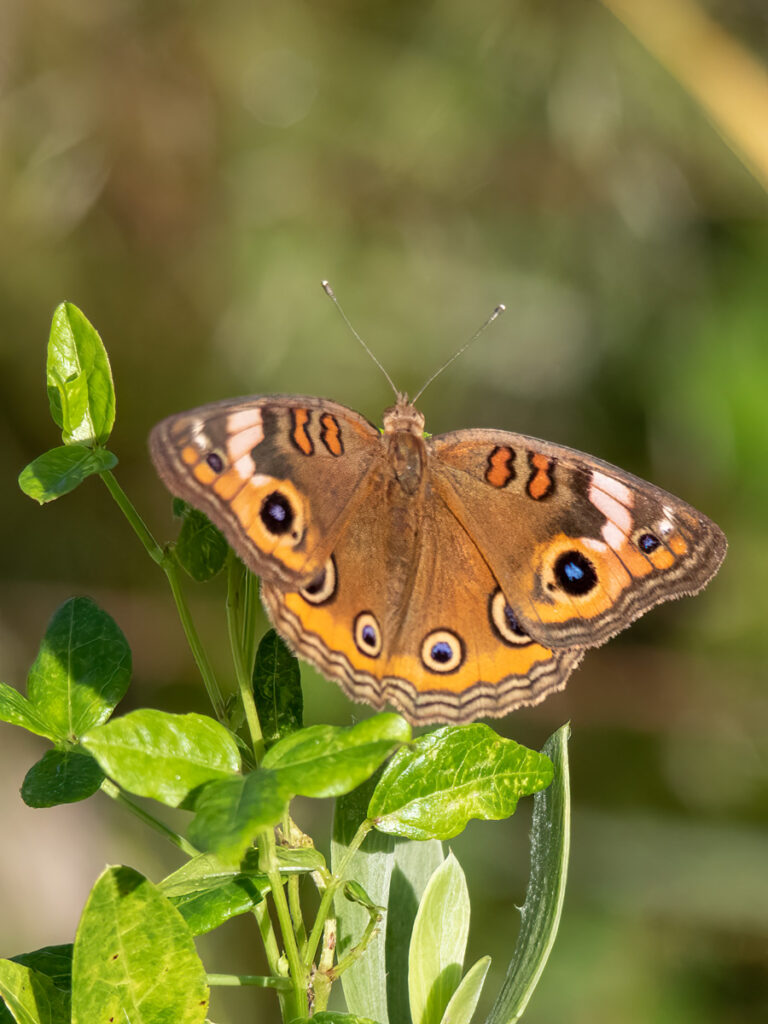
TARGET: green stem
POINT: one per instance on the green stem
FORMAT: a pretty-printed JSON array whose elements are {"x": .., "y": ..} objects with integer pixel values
[
  {"x": 235, "y": 571},
  {"x": 283, "y": 984},
  {"x": 169, "y": 566},
  {"x": 299, "y": 974},
  {"x": 129, "y": 511},
  {"x": 195, "y": 645},
  {"x": 119, "y": 796},
  {"x": 357, "y": 951},
  {"x": 250, "y": 619},
  {"x": 261, "y": 913},
  {"x": 324, "y": 909}
]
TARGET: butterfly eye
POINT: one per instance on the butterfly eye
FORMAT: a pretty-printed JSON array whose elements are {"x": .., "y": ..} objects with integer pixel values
[
  {"x": 367, "y": 634},
  {"x": 277, "y": 513},
  {"x": 442, "y": 651},
  {"x": 575, "y": 574},
  {"x": 504, "y": 621},
  {"x": 323, "y": 587},
  {"x": 215, "y": 461}
]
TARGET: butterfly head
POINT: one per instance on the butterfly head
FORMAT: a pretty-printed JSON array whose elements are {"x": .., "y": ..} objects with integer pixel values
[{"x": 403, "y": 417}]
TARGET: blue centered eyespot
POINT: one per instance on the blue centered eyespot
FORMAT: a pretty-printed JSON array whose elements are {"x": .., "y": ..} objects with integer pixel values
[
  {"x": 367, "y": 634},
  {"x": 575, "y": 573},
  {"x": 648, "y": 543},
  {"x": 441, "y": 651},
  {"x": 512, "y": 622},
  {"x": 215, "y": 461},
  {"x": 277, "y": 513}
]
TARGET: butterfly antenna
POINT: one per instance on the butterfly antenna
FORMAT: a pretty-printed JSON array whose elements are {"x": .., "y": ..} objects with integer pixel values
[
  {"x": 332, "y": 296},
  {"x": 494, "y": 316}
]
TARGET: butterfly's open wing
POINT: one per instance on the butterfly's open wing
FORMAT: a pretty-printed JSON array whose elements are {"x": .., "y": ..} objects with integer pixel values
[
  {"x": 279, "y": 475},
  {"x": 436, "y": 639},
  {"x": 580, "y": 548}
]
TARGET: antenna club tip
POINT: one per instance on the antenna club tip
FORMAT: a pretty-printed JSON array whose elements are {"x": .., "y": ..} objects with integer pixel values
[
  {"x": 501, "y": 308},
  {"x": 327, "y": 288}
]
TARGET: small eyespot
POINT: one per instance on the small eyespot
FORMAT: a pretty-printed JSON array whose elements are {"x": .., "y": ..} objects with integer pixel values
[
  {"x": 367, "y": 635},
  {"x": 504, "y": 621},
  {"x": 442, "y": 651},
  {"x": 215, "y": 461},
  {"x": 277, "y": 513},
  {"x": 575, "y": 574},
  {"x": 323, "y": 587},
  {"x": 648, "y": 543}
]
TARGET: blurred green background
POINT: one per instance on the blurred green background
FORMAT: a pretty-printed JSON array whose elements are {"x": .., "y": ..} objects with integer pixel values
[{"x": 187, "y": 173}]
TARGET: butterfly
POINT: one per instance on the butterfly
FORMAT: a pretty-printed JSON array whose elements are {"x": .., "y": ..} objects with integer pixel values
[{"x": 455, "y": 576}]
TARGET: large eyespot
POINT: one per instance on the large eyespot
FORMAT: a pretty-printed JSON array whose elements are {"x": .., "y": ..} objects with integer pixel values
[
  {"x": 323, "y": 587},
  {"x": 215, "y": 461},
  {"x": 277, "y": 513},
  {"x": 442, "y": 651},
  {"x": 648, "y": 543},
  {"x": 367, "y": 634},
  {"x": 504, "y": 621},
  {"x": 575, "y": 573}
]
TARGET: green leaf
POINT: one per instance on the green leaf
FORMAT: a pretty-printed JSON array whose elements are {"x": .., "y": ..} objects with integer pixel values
[
  {"x": 277, "y": 688},
  {"x": 80, "y": 388},
  {"x": 231, "y": 812},
  {"x": 298, "y": 860},
  {"x": 134, "y": 957},
  {"x": 365, "y": 981},
  {"x": 463, "y": 1002},
  {"x": 326, "y": 760},
  {"x": 53, "y": 961},
  {"x": 61, "y": 777},
  {"x": 82, "y": 669},
  {"x": 415, "y": 863},
  {"x": 434, "y": 787},
  {"x": 17, "y": 710},
  {"x": 32, "y": 997},
  {"x": 438, "y": 943},
  {"x": 394, "y": 873},
  {"x": 550, "y": 847},
  {"x": 163, "y": 756},
  {"x": 207, "y": 893},
  {"x": 200, "y": 548},
  {"x": 61, "y": 470}
]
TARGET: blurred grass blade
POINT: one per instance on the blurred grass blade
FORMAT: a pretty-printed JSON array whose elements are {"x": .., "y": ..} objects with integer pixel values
[
  {"x": 80, "y": 389},
  {"x": 722, "y": 75},
  {"x": 550, "y": 847}
]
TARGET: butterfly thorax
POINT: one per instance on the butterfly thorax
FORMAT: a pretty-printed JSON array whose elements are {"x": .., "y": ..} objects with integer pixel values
[{"x": 404, "y": 436}]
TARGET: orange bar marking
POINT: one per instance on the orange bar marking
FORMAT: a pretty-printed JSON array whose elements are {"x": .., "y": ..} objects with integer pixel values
[{"x": 500, "y": 470}]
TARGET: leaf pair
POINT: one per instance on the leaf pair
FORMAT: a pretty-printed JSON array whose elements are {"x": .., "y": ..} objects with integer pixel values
[
  {"x": 81, "y": 672},
  {"x": 81, "y": 395}
]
